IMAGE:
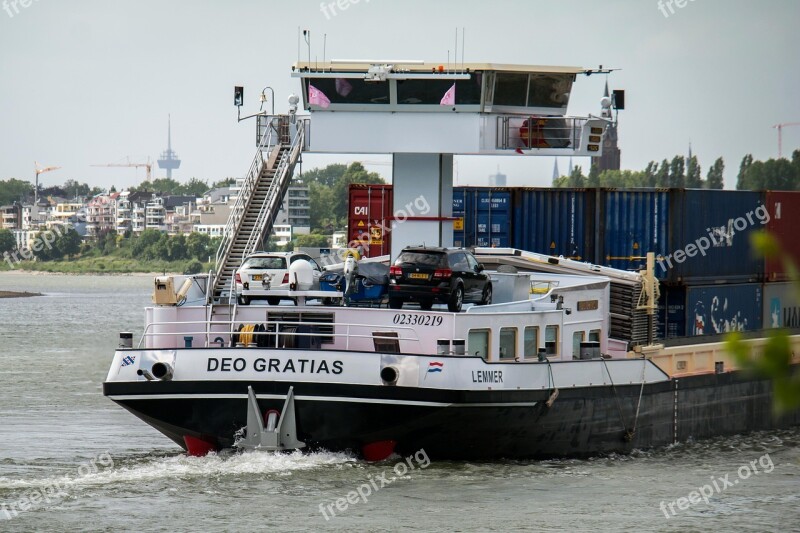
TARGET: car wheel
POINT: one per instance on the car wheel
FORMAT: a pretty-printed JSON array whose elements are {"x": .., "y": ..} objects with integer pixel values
[
  {"x": 395, "y": 303},
  {"x": 272, "y": 300},
  {"x": 487, "y": 296},
  {"x": 456, "y": 299},
  {"x": 244, "y": 300},
  {"x": 426, "y": 305}
]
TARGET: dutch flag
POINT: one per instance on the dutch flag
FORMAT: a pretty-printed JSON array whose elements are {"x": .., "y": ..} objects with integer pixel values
[{"x": 435, "y": 366}]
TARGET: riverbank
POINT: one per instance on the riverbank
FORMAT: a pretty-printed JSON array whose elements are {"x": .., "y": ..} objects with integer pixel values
[
  {"x": 14, "y": 294},
  {"x": 107, "y": 265}
]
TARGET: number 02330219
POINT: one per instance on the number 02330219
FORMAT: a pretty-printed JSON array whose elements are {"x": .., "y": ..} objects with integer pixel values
[{"x": 409, "y": 319}]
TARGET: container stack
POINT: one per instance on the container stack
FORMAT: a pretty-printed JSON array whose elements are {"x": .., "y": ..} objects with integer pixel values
[{"x": 711, "y": 281}]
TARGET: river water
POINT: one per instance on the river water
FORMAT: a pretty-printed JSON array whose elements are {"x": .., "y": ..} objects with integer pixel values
[{"x": 71, "y": 460}]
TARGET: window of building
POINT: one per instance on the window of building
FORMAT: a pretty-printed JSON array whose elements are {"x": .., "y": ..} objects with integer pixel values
[
  {"x": 478, "y": 342},
  {"x": 551, "y": 340},
  {"x": 577, "y": 339},
  {"x": 508, "y": 343},
  {"x": 594, "y": 335},
  {"x": 531, "y": 340}
]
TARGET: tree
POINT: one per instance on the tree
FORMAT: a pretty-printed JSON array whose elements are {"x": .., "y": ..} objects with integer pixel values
[
  {"x": 225, "y": 182},
  {"x": 327, "y": 176},
  {"x": 177, "y": 248},
  {"x": 73, "y": 189},
  {"x": 311, "y": 241},
  {"x": 662, "y": 176},
  {"x": 677, "y": 177},
  {"x": 7, "y": 241},
  {"x": 694, "y": 176},
  {"x": 576, "y": 178},
  {"x": 68, "y": 243},
  {"x": 14, "y": 190},
  {"x": 594, "y": 176},
  {"x": 195, "y": 187},
  {"x": 198, "y": 246},
  {"x": 650, "y": 174},
  {"x": 747, "y": 161},
  {"x": 716, "y": 173}
]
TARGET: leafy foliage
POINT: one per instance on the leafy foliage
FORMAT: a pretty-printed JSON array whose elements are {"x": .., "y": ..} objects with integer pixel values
[
  {"x": 776, "y": 362},
  {"x": 7, "y": 241}
]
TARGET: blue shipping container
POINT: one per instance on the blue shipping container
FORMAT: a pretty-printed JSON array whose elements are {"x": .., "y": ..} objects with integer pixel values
[
  {"x": 713, "y": 243},
  {"x": 693, "y": 311},
  {"x": 485, "y": 215},
  {"x": 555, "y": 221},
  {"x": 632, "y": 223}
]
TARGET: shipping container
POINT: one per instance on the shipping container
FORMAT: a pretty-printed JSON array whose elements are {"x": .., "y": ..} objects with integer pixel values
[
  {"x": 783, "y": 210},
  {"x": 369, "y": 219},
  {"x": 711, "y": 236},
  {"x": 781, "y": 305},
  {"x": 696, "y": 310},
  {"x": 631, "y": 223},
  {"x": 483, "y": 217},
  {"x": 558, "y": 222}
]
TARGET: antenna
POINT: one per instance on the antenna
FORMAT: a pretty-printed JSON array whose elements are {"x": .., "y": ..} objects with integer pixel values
[
  {"x": 298, "y": 44},
  {"x": 455, "y": 53},
  {"x": 307, "y": 39},
  {"x": 462, "y": 49}
]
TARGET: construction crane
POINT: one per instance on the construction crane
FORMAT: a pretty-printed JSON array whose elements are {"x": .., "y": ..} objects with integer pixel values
[
  {"x": 39, "y": 170},
  {"x": 148, "y": 166},
  {"x": 780, "y": 127}
]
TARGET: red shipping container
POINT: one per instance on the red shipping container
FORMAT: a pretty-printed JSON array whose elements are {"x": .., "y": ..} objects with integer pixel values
[
  {"x": 783, "y": 208},
  {"x": 369, "y": 219}
]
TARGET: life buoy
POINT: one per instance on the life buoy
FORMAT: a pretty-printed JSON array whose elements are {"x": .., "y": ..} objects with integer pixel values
[{"x": 351, "y": 253}]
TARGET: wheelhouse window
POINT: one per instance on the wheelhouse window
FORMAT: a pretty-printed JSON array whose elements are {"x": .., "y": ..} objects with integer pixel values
[
  {"x": 431, "y": 92},
  {"x": 511, "y": 89},
  {"x": 508, "y": 343},
  {"x": 351, "y": 90},
  {"x": 478, "y": 342},
  {"x": 531, "y": 341}
]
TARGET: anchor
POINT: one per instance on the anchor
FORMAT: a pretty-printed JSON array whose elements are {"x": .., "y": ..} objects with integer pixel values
[{"x": 280, "y": 433}]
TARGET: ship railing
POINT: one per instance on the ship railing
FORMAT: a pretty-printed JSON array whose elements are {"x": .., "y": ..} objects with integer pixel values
[
  {"x": 279, "y": 180},
  {"x": 245, "y": 191},
  {"x": 281, "y": 331},
  {"x": 536, "y": 131}
]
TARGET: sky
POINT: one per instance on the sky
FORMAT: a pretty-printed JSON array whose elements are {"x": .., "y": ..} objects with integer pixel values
[{"x": 85, "y": 82}]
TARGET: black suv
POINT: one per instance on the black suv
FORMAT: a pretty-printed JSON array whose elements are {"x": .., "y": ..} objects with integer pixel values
[{"x": 445, "y": 275}]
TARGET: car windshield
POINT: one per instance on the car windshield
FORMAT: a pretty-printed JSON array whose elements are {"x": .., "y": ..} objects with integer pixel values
[
  {"x": 433, "y": 259},
  {"x": 266, "y": 263}
]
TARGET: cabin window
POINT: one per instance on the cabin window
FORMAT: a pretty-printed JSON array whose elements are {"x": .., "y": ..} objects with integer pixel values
[
  {"x": 577, "y": 339},
  {"x": 431, "y": 92},
  {"x": 551, "y": 340},
  {"x": 508, "y": 343},
  {"x": 386, "y": 341},
  {"x": 594, "y": 335},
  {"x": 531, "y": 341},
  {"x": 549, "y": 90},
  {"x": 478, "y": 342},
  {"x": 352, "y": 90},
  {"x": 511, "y": 89}
]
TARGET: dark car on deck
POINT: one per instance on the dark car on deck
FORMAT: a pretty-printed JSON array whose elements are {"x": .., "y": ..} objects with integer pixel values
[{"x": 446, "y": 275}]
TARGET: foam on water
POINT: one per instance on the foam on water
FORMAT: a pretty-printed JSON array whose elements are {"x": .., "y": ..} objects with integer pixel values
[{"x": 186, "y": 468}]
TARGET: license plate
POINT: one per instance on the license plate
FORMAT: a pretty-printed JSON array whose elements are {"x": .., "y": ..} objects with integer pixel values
[
  {"x": 418, "y": 276},
  {"x": 257, "y": 277}
]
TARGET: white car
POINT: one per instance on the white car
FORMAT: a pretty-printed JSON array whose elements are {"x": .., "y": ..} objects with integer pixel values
[{"x": 265, "y": 271}]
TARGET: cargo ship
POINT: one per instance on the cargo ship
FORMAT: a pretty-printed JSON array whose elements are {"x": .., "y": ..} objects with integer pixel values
[{"x": 563, "y": 362}]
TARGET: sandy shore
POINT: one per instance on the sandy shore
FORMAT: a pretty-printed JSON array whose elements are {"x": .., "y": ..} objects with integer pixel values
[{"x": 12, "y": 294}]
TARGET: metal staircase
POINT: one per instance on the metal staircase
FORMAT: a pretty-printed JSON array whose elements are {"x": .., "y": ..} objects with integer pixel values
[{"x": 259, "y": 199}]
